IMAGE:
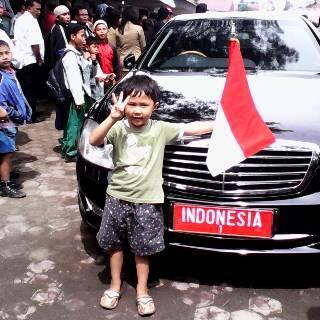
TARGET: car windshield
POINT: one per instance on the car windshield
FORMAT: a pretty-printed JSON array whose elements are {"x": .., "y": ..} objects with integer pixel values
[{"x": 202, "y": 45}]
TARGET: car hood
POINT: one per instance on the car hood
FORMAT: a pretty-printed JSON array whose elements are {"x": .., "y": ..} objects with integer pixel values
[{"x": 288, "y": 102}]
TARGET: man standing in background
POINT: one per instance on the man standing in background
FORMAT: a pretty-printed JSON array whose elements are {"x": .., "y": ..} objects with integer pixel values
[
  {"x": 58, "y": 34},
  {"x": 81, "y": 15},
  {"x": 29, "y": 42}
]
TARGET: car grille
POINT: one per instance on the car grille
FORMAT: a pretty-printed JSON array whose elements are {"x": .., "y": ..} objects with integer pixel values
[{"x": 281, "y": 169}]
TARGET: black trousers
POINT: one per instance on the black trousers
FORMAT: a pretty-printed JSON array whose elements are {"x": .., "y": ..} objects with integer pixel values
[{"x": 30, "y": 78}]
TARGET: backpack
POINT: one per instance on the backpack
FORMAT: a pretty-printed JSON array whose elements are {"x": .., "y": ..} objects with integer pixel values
[{"x": 56, "y": 83}]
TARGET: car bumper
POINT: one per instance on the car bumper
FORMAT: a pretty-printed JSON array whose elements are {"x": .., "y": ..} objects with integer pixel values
[
  {"x": 296, "y": 229},
  {"x": 280, "y": 243},
  {"x": 308, "y": 244}
]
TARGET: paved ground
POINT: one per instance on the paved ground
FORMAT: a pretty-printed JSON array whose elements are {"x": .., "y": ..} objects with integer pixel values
[{"x": 51, "y": 267}]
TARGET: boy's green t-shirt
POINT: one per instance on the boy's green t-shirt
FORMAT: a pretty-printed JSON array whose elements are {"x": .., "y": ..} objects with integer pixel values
[{"x": 138, "y": 160}]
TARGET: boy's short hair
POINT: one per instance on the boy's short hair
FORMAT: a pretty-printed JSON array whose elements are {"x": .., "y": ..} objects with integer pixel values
[
  {"x": 141, "y": 83},
  {"x": 30, "y": 3},
  {"x": 91, "y": 40},
  {"x": 73, "y": 28},
  {"x": 4, "y": 44}
]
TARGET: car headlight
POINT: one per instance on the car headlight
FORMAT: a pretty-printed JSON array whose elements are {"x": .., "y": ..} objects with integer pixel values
[{"x": 101, "y": 156}]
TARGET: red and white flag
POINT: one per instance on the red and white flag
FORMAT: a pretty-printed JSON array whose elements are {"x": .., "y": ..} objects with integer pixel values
[{"x": 239, "y": 131}]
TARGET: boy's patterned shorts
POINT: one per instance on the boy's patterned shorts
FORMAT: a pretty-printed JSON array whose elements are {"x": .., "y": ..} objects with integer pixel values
[{"x": 139, "y": 224}]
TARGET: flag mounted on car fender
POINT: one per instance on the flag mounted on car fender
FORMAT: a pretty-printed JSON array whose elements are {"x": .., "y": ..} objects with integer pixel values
[{"x": 239, "y": 131}]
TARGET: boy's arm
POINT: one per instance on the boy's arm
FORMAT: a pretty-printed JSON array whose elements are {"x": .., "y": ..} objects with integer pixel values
[
  {"x": 11, "y": 112},
  {"x": 93, "y": 68},
  {"x": 197, "y": 128},
  {"x": 117, "y": 112}
]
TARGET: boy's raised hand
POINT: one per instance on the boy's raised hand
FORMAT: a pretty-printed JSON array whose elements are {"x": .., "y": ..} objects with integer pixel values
[{"x": 117, "y": 110}]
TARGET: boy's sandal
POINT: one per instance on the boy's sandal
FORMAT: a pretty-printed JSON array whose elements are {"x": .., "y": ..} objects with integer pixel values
[
  {"x": 145, "y": 306},
  {"x": 110, "y": 299}
]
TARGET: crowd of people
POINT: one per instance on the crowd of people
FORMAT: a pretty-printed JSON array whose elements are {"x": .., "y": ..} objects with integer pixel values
[{"x": 88, "y": 41}]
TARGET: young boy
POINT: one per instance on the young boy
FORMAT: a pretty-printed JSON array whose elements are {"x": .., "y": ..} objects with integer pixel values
[
  {"x": 134, "y": 195},
  {"x": 98, "y": 79},
  {"x": 77, "y": 77},
  {"x": 14, "y": 111},
  {"x": 107, "y": 54}
]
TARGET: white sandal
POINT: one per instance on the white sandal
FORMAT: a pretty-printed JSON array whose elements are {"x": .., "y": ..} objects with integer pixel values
[
  {"x": 110, "y": 299},
  {"x": 145, "y": 306}
]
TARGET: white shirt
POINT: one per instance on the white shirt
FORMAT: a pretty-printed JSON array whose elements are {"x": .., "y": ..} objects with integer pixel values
[
  {"x": 78, "y": 81},
  {"x": 27, "y": 33}
]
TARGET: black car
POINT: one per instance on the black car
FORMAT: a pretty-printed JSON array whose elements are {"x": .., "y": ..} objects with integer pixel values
[{"x": 269, "y": 203}]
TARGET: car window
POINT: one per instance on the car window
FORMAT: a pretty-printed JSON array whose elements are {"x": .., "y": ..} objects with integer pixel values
[{"x": 202, "y": 44}]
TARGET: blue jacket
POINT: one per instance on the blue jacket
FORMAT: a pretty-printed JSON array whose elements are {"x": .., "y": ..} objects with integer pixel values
[{"x": 12, "y": 98}]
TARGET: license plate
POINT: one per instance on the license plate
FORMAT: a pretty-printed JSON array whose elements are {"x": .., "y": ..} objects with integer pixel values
[{"x": 239, "y": 222}]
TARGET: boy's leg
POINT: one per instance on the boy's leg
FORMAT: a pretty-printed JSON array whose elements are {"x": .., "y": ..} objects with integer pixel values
[
  {"x": 145, "y": 238},
  {"x": 73, "y": 127},
  {"x": 116, "y": 262},
  {"x": 110, "y": 298},
  {"x": 144, "y": 302},
  {"x": 110, "y": 238},
  {"x": 5, "y": 165},
  {"x": 142, "y": 265},
  {"x": 71, "y": 132},
  {"x": 6, "y": 187}
]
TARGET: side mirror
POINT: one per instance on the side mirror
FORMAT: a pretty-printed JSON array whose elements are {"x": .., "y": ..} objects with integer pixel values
[{"x": 129, "y": 61}]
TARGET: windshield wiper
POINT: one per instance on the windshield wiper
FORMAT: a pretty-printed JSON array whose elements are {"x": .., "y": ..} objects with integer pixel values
[
  {"x": 214, "y": 71},
  {"x": 163, "y": 70}
]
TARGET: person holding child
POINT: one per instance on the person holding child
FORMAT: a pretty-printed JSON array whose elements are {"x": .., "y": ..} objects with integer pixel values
[
  {"x": 14, "y": 111},
  {"x": 134, "y": 196}
]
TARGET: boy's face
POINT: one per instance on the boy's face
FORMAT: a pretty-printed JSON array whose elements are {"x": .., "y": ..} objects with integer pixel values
[
  {"x": 93, "y": 48},
  {"x": 79, "y": 39},
  {"x": 139, "y": 109},
  {"x": 5, "y": 57},
  {"x": 101, "y": 31},
  {"x": 64, "y": 18}
]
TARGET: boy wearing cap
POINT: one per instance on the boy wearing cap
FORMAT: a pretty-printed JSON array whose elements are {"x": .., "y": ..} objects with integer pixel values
[
  {"x": 107, "y": 54},
  {"x": 58, "y": 33}
]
